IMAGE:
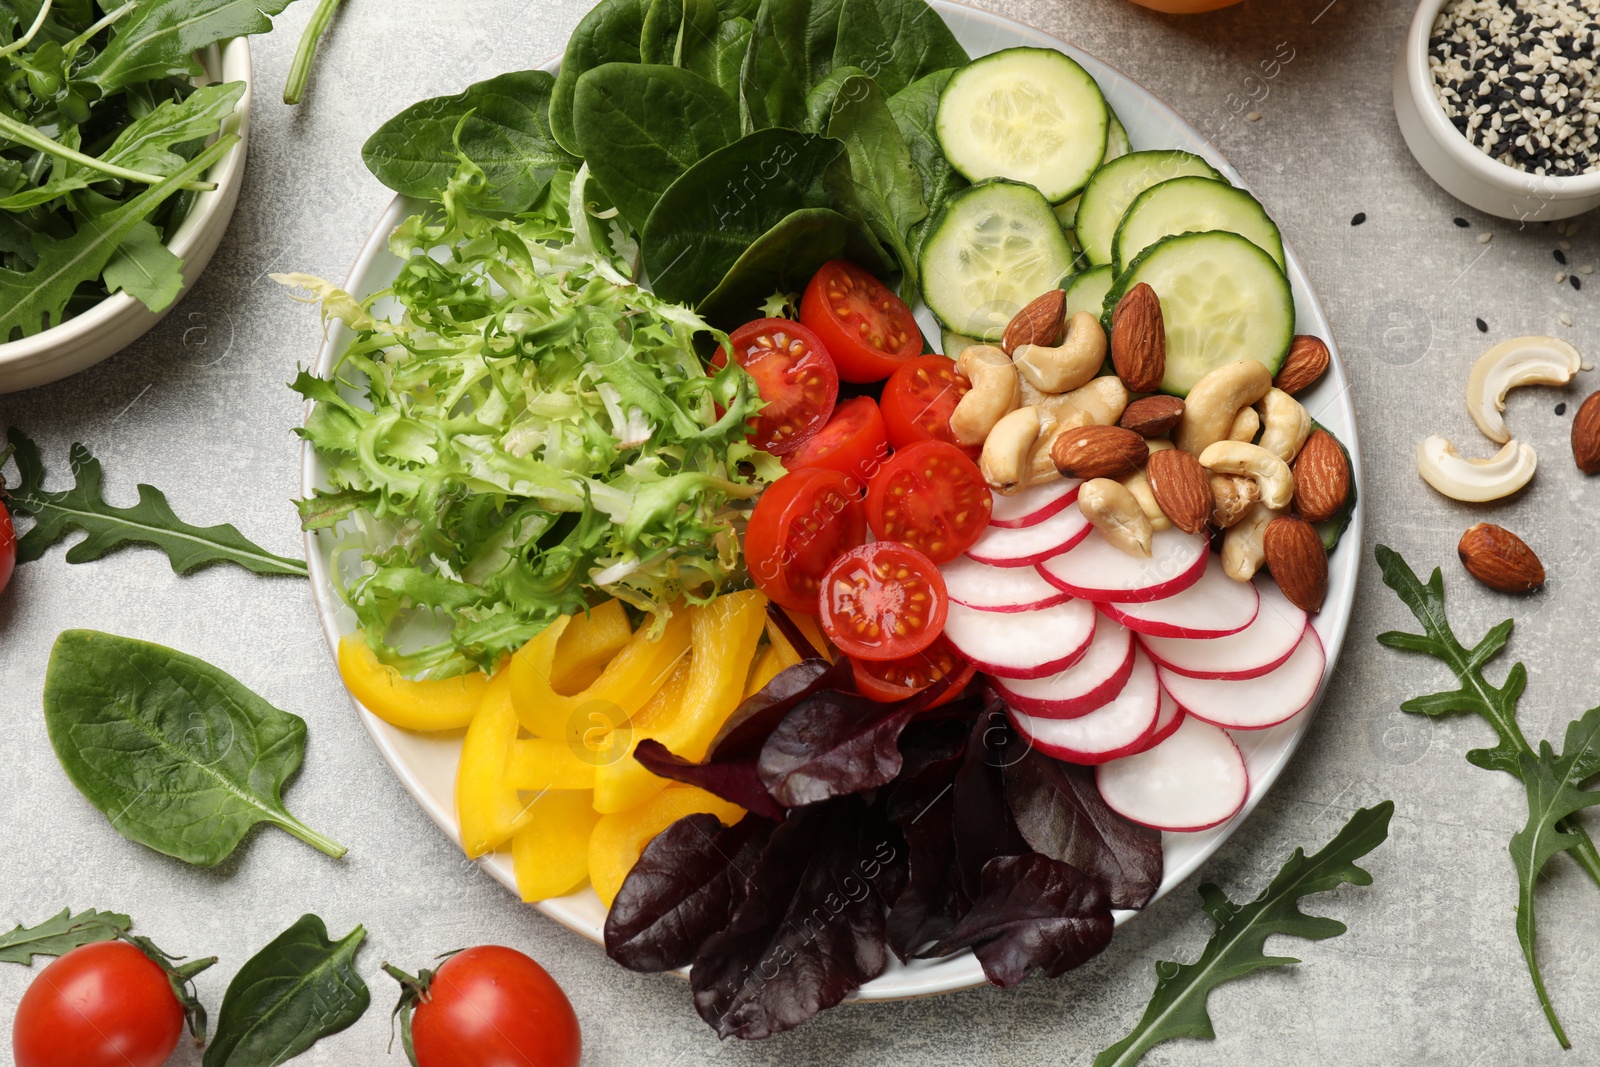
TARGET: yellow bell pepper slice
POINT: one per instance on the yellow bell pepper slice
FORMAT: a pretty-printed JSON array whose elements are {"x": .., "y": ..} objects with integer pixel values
[
  {"x": 773, "y": 661},
  {"x": 622, "y": 783},
  {"x": 812, "y": 631},
  {"x": 486, "y": 802},
  {"x": 629, "y": 680},
  {"x": 551, "y": 853},
  {"x": 727, "y": 632},
  {"x": 619, "y": 839},
  {"x": 429, "y": 705},
  {"x": 588, "y": 644},
  {"x": 540, "y": 763}
]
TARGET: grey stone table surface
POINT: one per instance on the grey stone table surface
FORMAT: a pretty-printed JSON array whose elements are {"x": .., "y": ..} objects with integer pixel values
[{"x": 1429, "y": 972}]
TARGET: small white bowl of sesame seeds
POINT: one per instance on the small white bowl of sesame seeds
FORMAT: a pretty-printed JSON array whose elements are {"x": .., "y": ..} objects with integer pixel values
[{"x": 1500, "y": 103}]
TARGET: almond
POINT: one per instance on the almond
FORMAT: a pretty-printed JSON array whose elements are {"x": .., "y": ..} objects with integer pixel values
[
  {"x": 1307, "y": 360},
  {"x": 1586, "y": 435},
  {"x": 1321, "y": 478},
  {"x": 1298, "y": 561},
  {"x": 1182, "y": 488},
  {"x": 1139, "y": 340},
  {"x": 1500, "y": 559},
  {"x": 1037, "y": 324},
  {"x": 1098, "y": 452},
  {"x": 1152, "y": 416}
]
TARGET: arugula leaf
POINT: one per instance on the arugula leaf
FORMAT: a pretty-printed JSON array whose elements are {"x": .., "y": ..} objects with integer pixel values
[
  {"x": 300, "y": 988},
  {"x": 151, "y": 521},
  {"x": 60, "y": 934},
  {"x": 1178, "y": 1006},
  {"x": 159, "y": 39},
  {"x": 145, "y": 268},
  {"x": 179, "y": 755}
]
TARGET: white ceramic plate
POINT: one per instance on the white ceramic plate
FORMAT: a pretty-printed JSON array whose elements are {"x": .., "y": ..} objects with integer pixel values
[{"x": 426, "y": 765}]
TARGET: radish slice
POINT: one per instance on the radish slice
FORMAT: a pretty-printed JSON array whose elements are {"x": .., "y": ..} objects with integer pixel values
[
  {"x": 1006, "y": 589},
  {"x": 1030, "y": 644},
  {"x": 1258, "y": 648},
  {"x": 1015, "y": 511},
  {"x": 1086, "y": 685},
  {"x": 1033, "y": 544},
  {"x": 1193, "y": 780},
  {"x": 1098, "y": 570},
  {"x": 1254, "y": 703},
  {"x": 1166, "y": 722},
  {"x": 1117, "y": 728},
  {"x": 1215, "y": 606}
]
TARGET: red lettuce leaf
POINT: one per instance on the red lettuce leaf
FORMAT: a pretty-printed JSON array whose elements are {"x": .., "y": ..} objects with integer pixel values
[
  {"x": 683, "y": 889},
  {"x": 982, "y": 825},
  {"x": 734, "y": 780},
  {"x": 1034, "y": 916},
  {"x": 1059, "y": 812},
  {"x": 921, "y": 804}
]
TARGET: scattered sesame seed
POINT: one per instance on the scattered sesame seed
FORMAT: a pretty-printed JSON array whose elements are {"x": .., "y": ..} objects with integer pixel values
[
  {"x": 1566, "y": 320},
  {"x": 1574, "y": 282},
  {"x": 1461, "y": 222},
  {"x": 1561, "y": 257},
  {"x": 1485, "y": 237},
  {"x": 1561, "y": 409},
  {"x": 1358, "y": 218},
  {"x": 1254, "y": 116},
  {"x": 1587, "y": 268},
  {"x": 1561, "y": 276},
  {"x": 1483, "y": 327},
  {"x": 1566, "y": 246}
]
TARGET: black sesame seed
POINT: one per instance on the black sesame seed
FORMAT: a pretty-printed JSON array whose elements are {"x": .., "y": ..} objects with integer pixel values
[
  {"x": 1561, "y": 257},
  {"x": 1358, "y": 218},
  {"x": 1561, "y": 409},
  {"x": 1483, "y": 327},
  {"x": 1461, "y": 222},
  {"x": 1575, "y": 283}
]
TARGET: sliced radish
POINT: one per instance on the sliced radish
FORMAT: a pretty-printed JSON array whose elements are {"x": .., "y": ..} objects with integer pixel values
[
  {"x": 1033, "y": 544},
  {"x": 1258, "y": 648},
  {"x": 990, "y": 588},
  {"x": 1086, "y": 685},
  {"x": 1215, "y": 606},
  {"x": 1022, "y": 644},
  {"x": 1193, "y": 780},
  {"x": 1166, "y": 722},
  {"x": 1117, "y": 728},
  {"x": 1254, "y": 703},
  {"x": 1014, "y": 511},
  {"x": 1099, "y": 570}
]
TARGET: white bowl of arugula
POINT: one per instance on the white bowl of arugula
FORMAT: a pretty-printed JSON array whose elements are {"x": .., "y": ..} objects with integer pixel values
[{"x": 124, "y": 150}]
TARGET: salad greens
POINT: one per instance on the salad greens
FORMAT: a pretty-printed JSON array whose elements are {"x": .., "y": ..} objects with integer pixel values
[
  {"x": 1554, "y": 783},
  {"x": 60, "y": 934}
]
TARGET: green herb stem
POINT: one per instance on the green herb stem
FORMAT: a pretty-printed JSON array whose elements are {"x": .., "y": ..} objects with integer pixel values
[
  {"x": 22, "y": 133},
  {"x": 320, "y": 842},
  {"x": 88, "y": 35},
  {"x": 300, "y": 70},
  {"x": 27, "y": 38}
]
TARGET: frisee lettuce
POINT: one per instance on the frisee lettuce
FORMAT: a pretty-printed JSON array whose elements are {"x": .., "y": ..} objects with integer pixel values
[{"x": 517, "y": 428}]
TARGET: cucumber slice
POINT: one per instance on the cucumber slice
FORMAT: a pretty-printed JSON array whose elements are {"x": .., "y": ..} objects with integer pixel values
[
  {"x": 1116, "y": 185},
  {"x": 953, "y": 344},
  {"x": 1026, "y": 114},
  {"x": 1223, "y": 299},
  {"x": 995, "y": 247},
  {"x": 1192, "y": 205},
  {"x": 1087, "y": 291},
  {"x": 1117, "y": 146}
]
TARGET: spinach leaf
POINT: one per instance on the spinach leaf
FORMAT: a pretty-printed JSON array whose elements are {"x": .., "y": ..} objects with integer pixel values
[
  {"x": 179, "y": 755},
  {"x": 504, "y": 129},
  {"x": 675, "y": 28},
  {"x": 60, "y": 934},
  {"x": 150, "y": 522},
  {"x": 719, "y": 60},
  {"x": 896, "y": 42},
  {"x": 145, "y": 268},
  {"x": 791, "y": 50},
  {"x": 159, "y": 39},
  {"x": 610, "y": 33},
  {"x": 297, "y": 990},
  {"x": 916, "y": 111},
  {"x": 642, "y": 126},
  {"x": 785, "y": 257},
  {"x": 718, "y": 208}
]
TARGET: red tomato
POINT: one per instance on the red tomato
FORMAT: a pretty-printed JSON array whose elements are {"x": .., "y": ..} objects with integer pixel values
[
  {"x": 868, "y": 330},
  {"x": 931, "y": 497},
  {"x": 102, "y": 1005},
  {"x": 802, "y": 523},
  {"x": 883, "y": 601},
  {"x": 494, "y": 1007},
  {"x": 854, "y": 443},
  {"x": 897, "y": 679},
  {"x": 919, "y": 399},
  {"x": 793, "y": 374},
  {"x": 8, "y": 547}
]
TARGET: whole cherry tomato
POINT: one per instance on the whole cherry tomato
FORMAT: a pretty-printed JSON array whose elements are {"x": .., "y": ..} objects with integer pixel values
[
  {"x": 101, "y": 1005},
  {"x": 494, "y": 1007}
]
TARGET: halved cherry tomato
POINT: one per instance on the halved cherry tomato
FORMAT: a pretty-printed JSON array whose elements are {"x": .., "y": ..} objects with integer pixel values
[
  {"x": 919, "y": 399},
  {"x": 883, "y": 601},
  {"x": 8, "y": 546},
  {"x": 931, "y": 497},
  {"x": 854, "y": 443},
  {"x": 868, "y": 330},
  {"x": 898, "y": 679},
  {"x": 803, "y": 523},
  {"x": 794, "y": 375}
]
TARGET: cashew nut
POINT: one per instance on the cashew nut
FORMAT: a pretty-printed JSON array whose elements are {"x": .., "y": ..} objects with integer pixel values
[
  {"x": 1102, "y": 399},
  {"x": 1475, "y": 480},
  {"x": 1245, "y": 426},
  {"x": 994, "y": 393},
  {"x": 1215, "y": 400},
  {"x": 1242, "y": 549},
  {"x": 1234, "y": 497},
  {"x": 1519, "y": 361},
  {"x": 1007, "y": 449},
  {"x": 1270, "y": 473},
  {"x": 1285, "y": 424},
  {"x": 1042, "y": 468},
  {"x": 1158, "y": 444},
  {"x": 1068, "y": 365},
  {"x": 1115, "y": 512},
  {"x": 1138, "y": 483}
]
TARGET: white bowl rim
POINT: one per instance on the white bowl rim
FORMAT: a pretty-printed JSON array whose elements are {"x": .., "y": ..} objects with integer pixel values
[
  {"x": 232, "y": 63},
  {"x": 1462, "y": 152}
]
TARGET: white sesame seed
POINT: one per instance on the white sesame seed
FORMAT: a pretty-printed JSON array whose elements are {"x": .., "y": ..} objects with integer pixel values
[
  {"x": 1254, "y": 116},
  {"x": 1566, "y": 320},
  {"x": 1485, "y": 238}
]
